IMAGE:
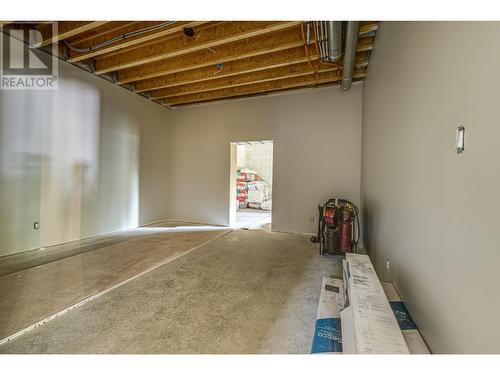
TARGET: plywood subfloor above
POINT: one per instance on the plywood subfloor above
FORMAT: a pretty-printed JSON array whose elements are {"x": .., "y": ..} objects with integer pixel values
[{"x": 176, "y": 63}]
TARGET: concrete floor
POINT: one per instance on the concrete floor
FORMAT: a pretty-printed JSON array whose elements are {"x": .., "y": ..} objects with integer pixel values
[
  {"x": 29, "y": 259},
  {"x": 246, "y": 292},
  {"x": 252, "y": 218},
  {"x": 29, "y": 295}
]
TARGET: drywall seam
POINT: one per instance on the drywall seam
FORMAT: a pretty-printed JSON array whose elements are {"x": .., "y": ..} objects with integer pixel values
[{"x": 101, "y": 293}]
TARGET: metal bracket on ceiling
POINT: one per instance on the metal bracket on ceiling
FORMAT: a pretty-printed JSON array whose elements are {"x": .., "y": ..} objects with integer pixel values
[
  {"x": 165, "y": 104},
  {"x": 92, "y": 65},
  {"x": 114, "y": 75},
  {"x": 65, "y": 52}
]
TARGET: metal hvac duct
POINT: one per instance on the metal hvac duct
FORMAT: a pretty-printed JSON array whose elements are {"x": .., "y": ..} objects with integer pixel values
[
  {"x": 334, "y": 38},
  {"x": 351, "y": 42}
]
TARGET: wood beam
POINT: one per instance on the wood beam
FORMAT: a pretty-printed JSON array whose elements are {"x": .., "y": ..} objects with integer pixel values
[
  {"x": 127, "y": 43},
  {"x": 260, "y": 88},
  {"x": 221, "y": 34},
  {"x": 244, "y": 49},
  {"x": 264, "y": 75},
  {"x": 277, "y": 59},
  {"x": 68, "y": 29},
  {"x": 234, "y": 68},
  {"x": 107, "y": 31},
  {"x": 365, "y": 44},
  {"x": 206, "y": 62},
  {"x": 242, "y": 80},
  {"x": 367, "y": 27}
]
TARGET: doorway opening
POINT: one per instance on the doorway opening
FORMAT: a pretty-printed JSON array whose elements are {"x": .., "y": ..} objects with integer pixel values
[{"x": 251, "y": 184}]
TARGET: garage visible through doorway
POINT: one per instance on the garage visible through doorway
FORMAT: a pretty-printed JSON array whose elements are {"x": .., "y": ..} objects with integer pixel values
[{"x": 252, "y": 183}]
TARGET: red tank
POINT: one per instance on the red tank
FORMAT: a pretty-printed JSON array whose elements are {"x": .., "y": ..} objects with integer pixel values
[{"x": 346, "y": 232}]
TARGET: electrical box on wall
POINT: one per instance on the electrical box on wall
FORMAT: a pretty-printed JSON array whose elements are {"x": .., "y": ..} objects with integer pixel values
[{"x": 460, "y": 140}]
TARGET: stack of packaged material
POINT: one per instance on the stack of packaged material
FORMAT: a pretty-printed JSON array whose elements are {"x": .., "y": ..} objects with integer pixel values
[
  {"x": 241, "y": 194},
  {"x": 361, "y": 315},
  {"x": 251, "y": 189},
  {"x": 368, "y": 322},
  {"x": 411, "y": 334},
  {"x": 327, "y": 332}
]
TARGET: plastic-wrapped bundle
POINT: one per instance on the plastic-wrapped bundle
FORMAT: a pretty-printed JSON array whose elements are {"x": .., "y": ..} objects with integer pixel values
[
  {"x": 267, "y": 205},
  {"x": 251, "y": 190},
  {"x": 241, "y": 186},
  {"x": 256, "y": 196},
  {"x": 247, "y": 175},
  {"x": 253, "y": 205}
]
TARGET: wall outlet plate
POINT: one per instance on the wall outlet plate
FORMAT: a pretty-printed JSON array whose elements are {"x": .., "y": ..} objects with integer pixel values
[
  {"x": 460, "y": 140},
  {"x": 311, "y": 219},
  {"x": 387, "y": 264},
  {"x": 36, "y": 225}
]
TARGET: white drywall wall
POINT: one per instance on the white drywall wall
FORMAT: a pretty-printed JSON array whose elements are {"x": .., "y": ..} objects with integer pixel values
[
  {"x": 432, "y": 212},
  {"x": 85, "y": 159},
  {"x": 317, "y": 154}
]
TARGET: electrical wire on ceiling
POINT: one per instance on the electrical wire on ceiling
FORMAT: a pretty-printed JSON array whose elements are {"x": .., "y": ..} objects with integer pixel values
[
  {"x": 307, "y": 54},
  {"x": 219, "y": 68},
  {"x": 321, "y": 45},
  {"x": 120, "y": 37}
]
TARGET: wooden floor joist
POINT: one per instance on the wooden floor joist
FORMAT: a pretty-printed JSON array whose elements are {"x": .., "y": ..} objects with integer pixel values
[
  {"x": 222, "y": 34},
  {"x": 287, "y": 83},
  {"x": 106, "y": 32},
  {"x": 242, "y": 80},
  {"x": 367, "y": 27},
  {"x": 277, "y": 59},
  {"x": 244, "y": 49},
  {"x": 126, "y": 43},
  {"x": 265, "y": 75},
  {"x": 177, "y": 63},
  {"x": 235, "y": 68},
  {"x": 67, "y": 29},
  {"x": 365, "y": 44}
]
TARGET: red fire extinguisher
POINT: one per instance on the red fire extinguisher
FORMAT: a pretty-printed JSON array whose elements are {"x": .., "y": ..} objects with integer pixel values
[
  {"x": 346, "y": 232},
  {"x": 338, "y": 227}
]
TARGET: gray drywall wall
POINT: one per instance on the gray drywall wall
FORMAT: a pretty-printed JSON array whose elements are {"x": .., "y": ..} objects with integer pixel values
[
  {"x": 317, "y": 154},
  {"x": 432, "y": 212},
  {"x": 85, "y": 159}
]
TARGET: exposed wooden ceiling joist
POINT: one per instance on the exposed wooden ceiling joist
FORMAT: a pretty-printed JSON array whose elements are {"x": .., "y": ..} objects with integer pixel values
[
  {"x": 258, "y": 46},
  {"x": 67, "y": 29},
  {"x": 223, "y": 59},
  {"x": 234, "y": 68},
  {"x": 277, "y": 59},
  {"x": 287, "y": 83},
  {"x": 126, "y": 43},
  {"x": 242, "y": 80},
  {"x": 219, "y": 35},
  {"x": 367, "y": 27},
  {"x": 106, "y": 31},
  {"x": 365, "y": 44},
  {"x": 263, "y": 75}
]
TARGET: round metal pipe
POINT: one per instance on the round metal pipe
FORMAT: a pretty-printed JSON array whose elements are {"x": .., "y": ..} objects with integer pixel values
[
  {"x": 351, "y": 43},
  {"x": 334, "y": 38}
]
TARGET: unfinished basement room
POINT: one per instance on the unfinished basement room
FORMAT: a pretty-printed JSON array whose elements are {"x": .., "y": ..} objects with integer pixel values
[{"x": 221, "y": 185}]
